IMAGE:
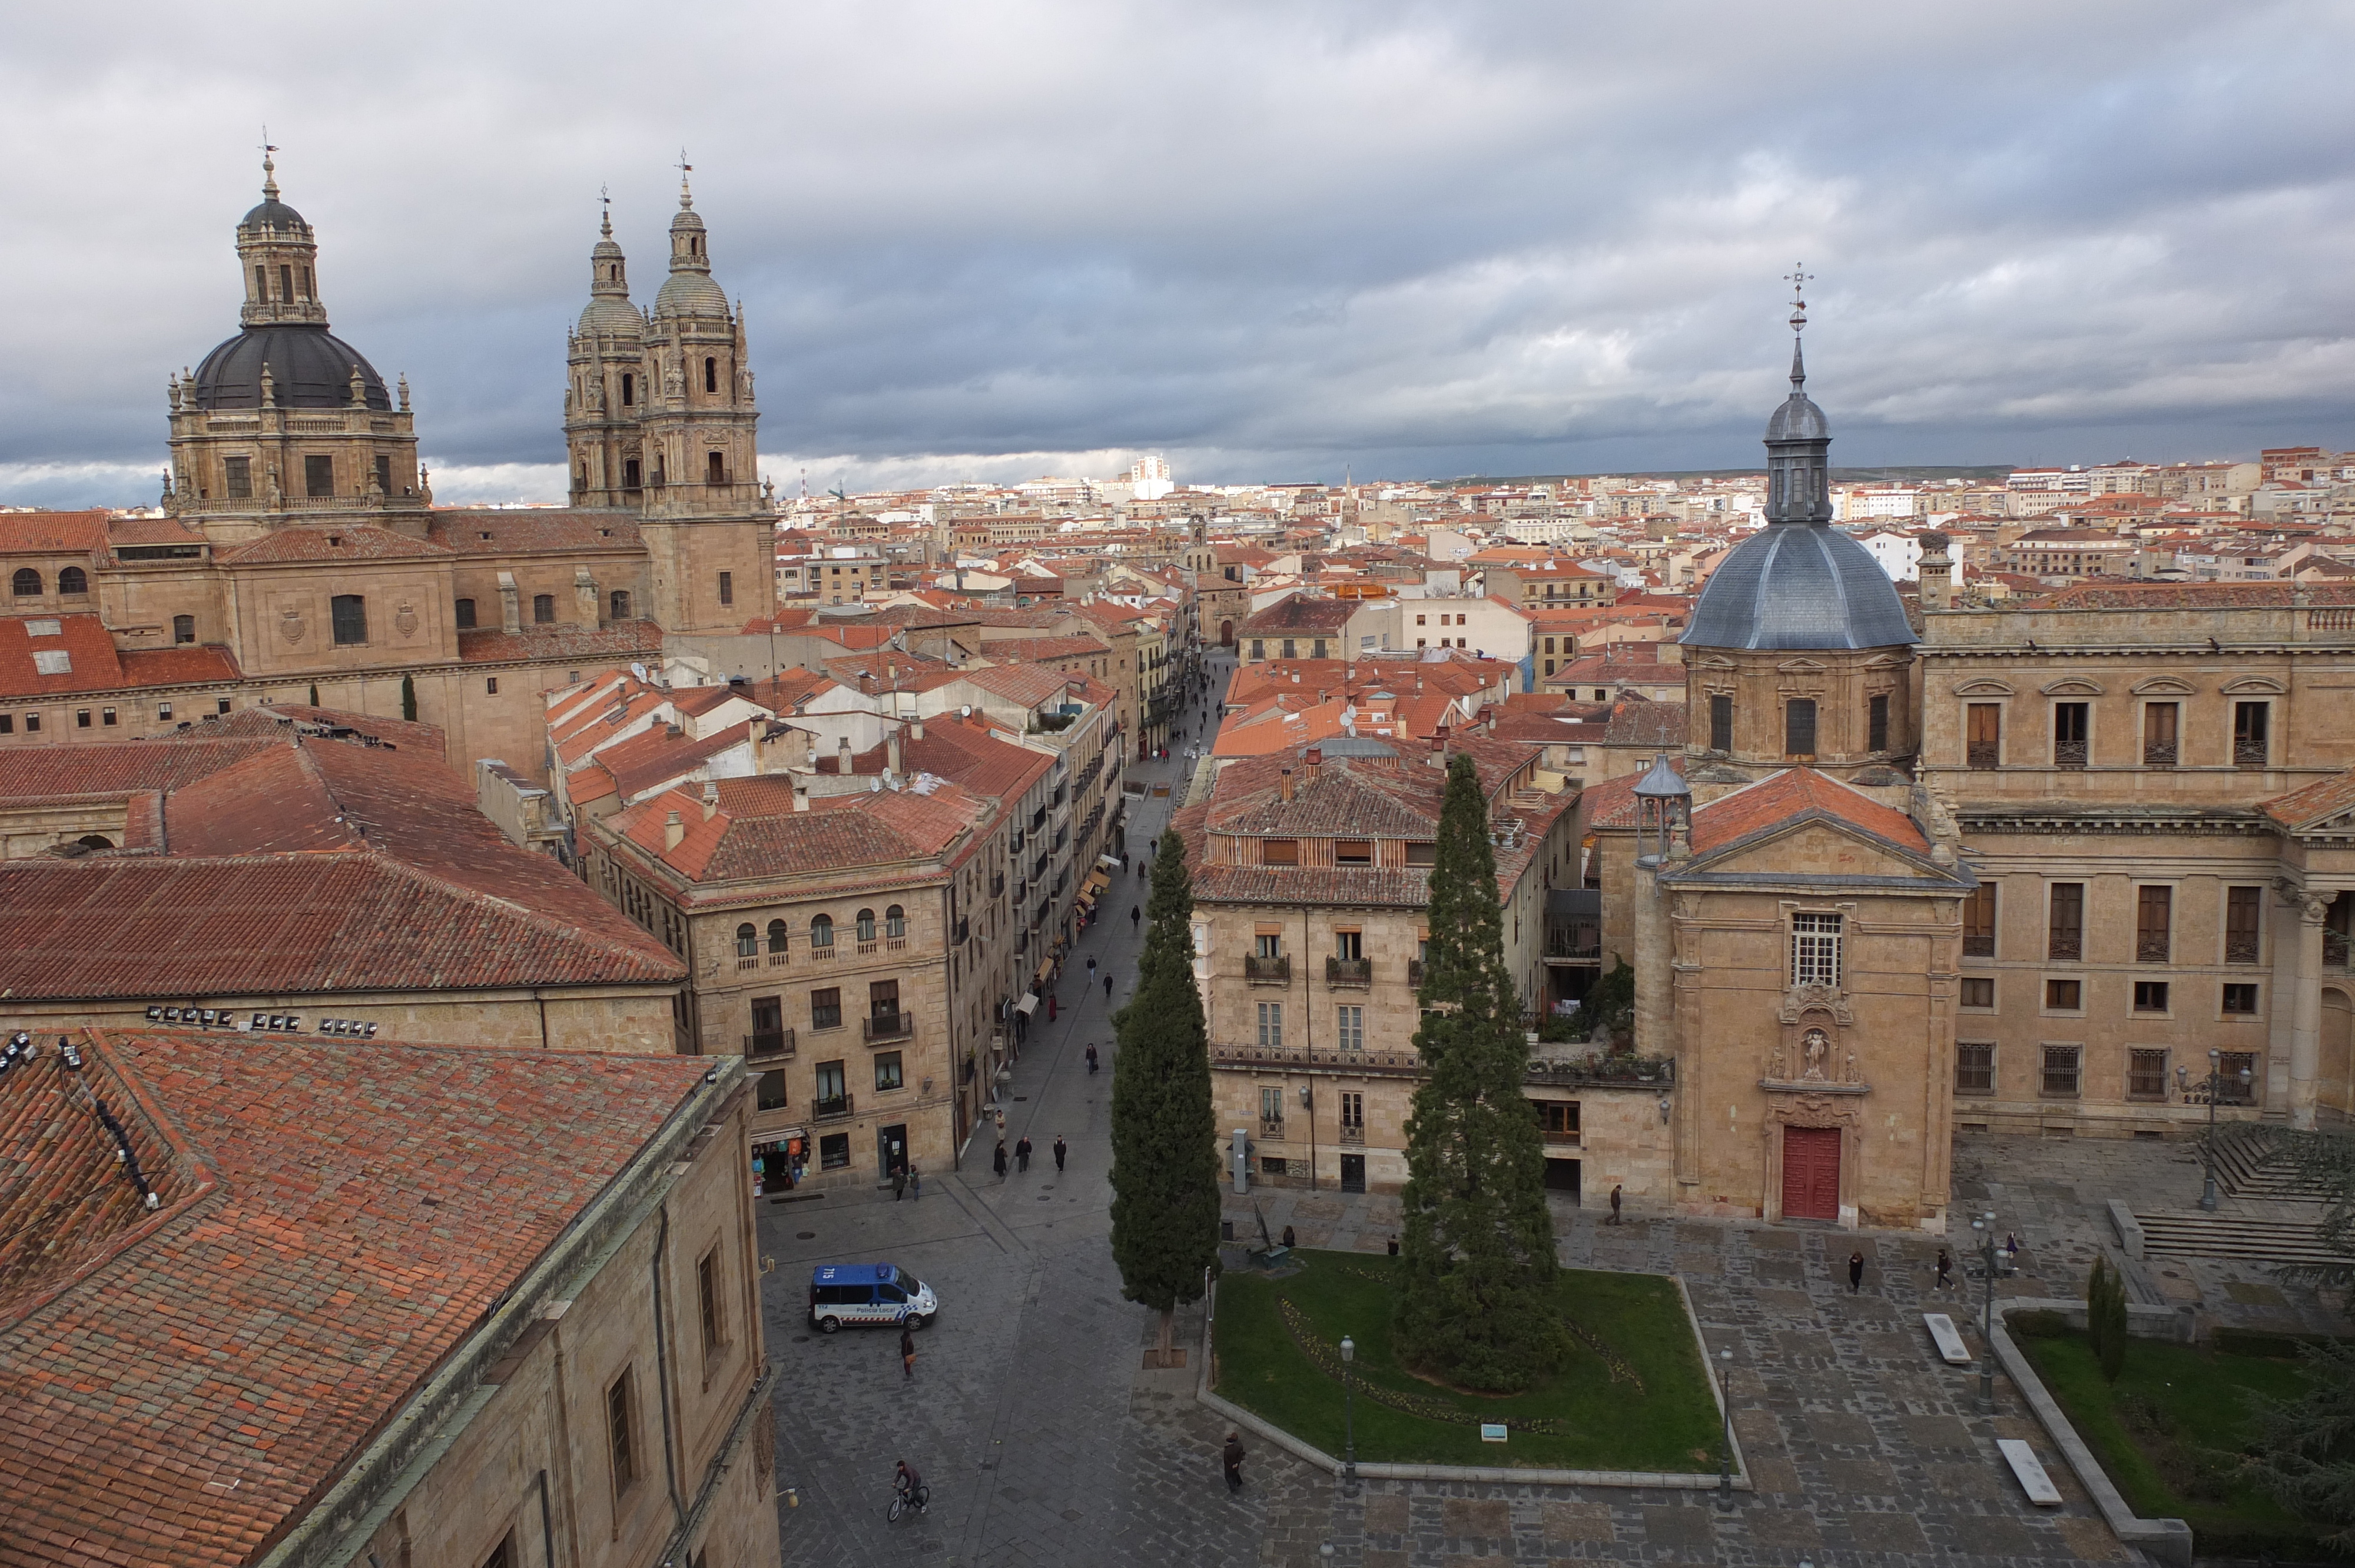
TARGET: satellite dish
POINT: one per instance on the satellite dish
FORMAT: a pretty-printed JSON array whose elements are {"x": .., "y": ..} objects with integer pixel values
[{"x": 639, "y": 673}]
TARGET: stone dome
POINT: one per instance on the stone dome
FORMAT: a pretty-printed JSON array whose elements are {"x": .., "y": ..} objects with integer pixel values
[
  {"x": 689, "y": 293},
  {"x": 1799, "y": 585},
  {"x": 612, "y": 315},
  {"x": 310, "y": 367}
]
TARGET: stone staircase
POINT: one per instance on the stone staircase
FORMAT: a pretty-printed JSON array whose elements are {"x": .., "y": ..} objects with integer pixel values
[
  {"x": 2249, "y": 1172},
  {"x": 2287, "y": 1235}
]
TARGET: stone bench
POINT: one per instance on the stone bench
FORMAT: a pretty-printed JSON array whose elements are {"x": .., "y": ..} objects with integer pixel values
[
  {"x": 1948, "y": 1339},
  {"x": 2031, "y": 1471}
]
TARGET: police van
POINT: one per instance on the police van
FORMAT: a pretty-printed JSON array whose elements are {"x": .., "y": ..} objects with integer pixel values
[{"x": 862, "y": 1294}]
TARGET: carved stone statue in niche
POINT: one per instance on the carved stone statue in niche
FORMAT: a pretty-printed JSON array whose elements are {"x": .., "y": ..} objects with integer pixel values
[{"x": 1814, "y": 1045}]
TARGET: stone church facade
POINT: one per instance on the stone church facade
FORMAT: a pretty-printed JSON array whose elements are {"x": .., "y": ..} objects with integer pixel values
[{"x": 300, "y": 558}]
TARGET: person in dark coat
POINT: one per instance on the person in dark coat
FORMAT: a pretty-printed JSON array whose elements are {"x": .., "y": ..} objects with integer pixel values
[
  {"x": 1135, "y": 916},
  {"x": 999, "y": 1160},
  {"x": 1091, "y": 1055},
  {"x": 1059, "y": 1151},
  {"x": 1945, "y": 1269},
  {"x": 1022, "y": 1154},
  {"x": 1107, "y": 988},
  {"x": 907, "y": 1353},
  {"x": 1615, "y": 1207},
  {"x": 1855, "y": 1272},
  {"x": 898, "y": 1181},
  {"x": 1232, "y": 1457}
]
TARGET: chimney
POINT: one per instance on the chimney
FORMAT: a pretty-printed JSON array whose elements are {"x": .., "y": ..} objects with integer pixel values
[
  {"x": 1284, "y": 786},
  {"x": 842, "y": 757},
  {"x": 710, "y": 800},
  {"x": 891, "y": 752},
  {"x": 1310, "y": 761},
  {"x": 918, "y": 729},
  {"x": 1938, "y": 573},
  {"x": 673, "y": 831},
  {"x": 801, "y": 794}
]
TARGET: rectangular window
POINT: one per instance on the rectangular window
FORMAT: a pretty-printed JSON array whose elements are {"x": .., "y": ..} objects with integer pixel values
[
  {"x": 184, "y": 629},
  {"x": 220, "y": 706},
  {"x": 8, "y": 721},
  {"x": 1271, "y": 1112},
  {"x": 1350, "y": 1028},
  {"x": 465, "y": 615},
  {"x": 1353, "y": 1112},
  {"x": 1721, "y": 722},
  {"x": 2234, "y": 1088},
  {"x": 2065, "y": 996},
  {"x": 543, "y": 609},
  {"x": 490, "y": 685},
  {"x": 2060, "y": 1070},
  {"x": 1353, "y": 852},
  {"x": 81, "y": 718},
  {"x": 2064, "y": 938},
  {"x": 621, "y": 1441},
  {"x": 882, "y": 999},
  {"x": 2250, "y": 733},
  {"x": 106, "y": 717},
  {"x": 825, "y": 1008},
  {"x": 1272, "y": 1165},
  {"x": 1557, "y": 1119},
  {"x": 348, "y": 614},
  {"x": 1974, "y": 1068},
  {"x": 1978, "y": 990},
  {"x": 771, "y": 1087},
  {"x": 1815, "y": 949},
  {"x": 1279, "y": 851},
  {"x": 2072, "y": 723},
  {"x": 1799, "y": 727},
  {"x": 1267, "y": 945},
  {"x": 1979, "y": 922},
  {"x": 2241, "y": 998},
  {"x": 1271, "y": 1025},
  {"x": 727, "y": 587},
  {"x": 834, "y": 1152},
  {"x": 1876, "y": 722},
  {"x": 2147, "y": 1073},
  {"x": 1350, "y": 946},
  {"x": 384, "y": 475},
  {"x": 2150, "y": 996},
  {"x": 709, "y": 1305},
  {"x": 888, "y": 1072},
  {"x": 2243, "y": 908},
  {"x": 2158, "y": 748},
  {"x": 2154, "y": 912},
  {"x": 241, "y": 478},
  {"x": 319, "y": 476},
  {"x": 33, "y": 722},
  {"x": 1983, "y": 735}
]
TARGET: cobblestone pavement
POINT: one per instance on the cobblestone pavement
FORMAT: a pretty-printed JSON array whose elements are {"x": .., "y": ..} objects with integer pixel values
[{"x": 1045, "y": 1440}]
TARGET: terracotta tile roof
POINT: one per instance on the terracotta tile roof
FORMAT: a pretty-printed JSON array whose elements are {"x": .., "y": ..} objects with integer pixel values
[
  {"x": 354, "y": 542},
  {"x": 1042, "y": 649},
  {"x": 528, "y": 529},
  {"x": 643, "y": 762},
  {"x": 1793, "y": 793},
  {"x": 1029, "y": 684},
  {"x": 2192, "y": 596},
  {"x": 2317, "y": 803},
  {"x": 190, "y": 664},
  {"x": 1637, "y": 723},
  {"x": 1611, "y": 803},
  {"x": 336, "y": 1220},
  {"x": 113, "y": 770},
  {"x": 281, "y": 720},
  {"x": 1379, "y": 798},
  {"x": 1299, "y": 614},
  {"x": 622, "y": 639},
  {"x": 77, "y": 648},
  {"x": 51, "y": 533},
  {"x": 757, "y": 833},
  {"x": 136, "y": 531},
  {"x": 971, "y": 757}
]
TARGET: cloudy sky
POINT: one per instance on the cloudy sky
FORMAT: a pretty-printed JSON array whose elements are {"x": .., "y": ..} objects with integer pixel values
[{"x": 1271, "y": 240}]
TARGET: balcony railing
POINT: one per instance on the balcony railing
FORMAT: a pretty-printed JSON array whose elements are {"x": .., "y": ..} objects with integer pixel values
[
  {"x": 1574, "y": 942},
  {"x": 747, "y": 961},
  {"x": 1273, "y": 1130},
  {"x": 2248, "y": 754},
  {"x": 1348, "y": 972},
  {"x": 890, "y": 1026},
  {"x": 2065, "y": 946},
  {"x": 2241, "y": 947},
  {"x": 867, "y": 949},
  {"x": 769, "y": 1043},
  {"x": 1388, "y": 1062},
  {"x": 835, "y": 1110},
  {"x": 2334, "y": 949},
  {"x": 2068, "y": 754},
  {"x": 1353, "y": 1135},
  {"x": 2151, "y": 947},
  {"x": 1267, "y": 971},
  {"x": 998, "y": 884},
  {"x": 2158, "y": 753},
  {"x": 822, "y": 955},
  {"x": 1415, "y": 973},
  {"x": 1981, "y": 754},
  {"x": 1978, "y": 946}
]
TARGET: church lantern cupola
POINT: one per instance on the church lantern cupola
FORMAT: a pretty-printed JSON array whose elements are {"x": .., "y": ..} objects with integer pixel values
[{"x": 1663, "y": 813}]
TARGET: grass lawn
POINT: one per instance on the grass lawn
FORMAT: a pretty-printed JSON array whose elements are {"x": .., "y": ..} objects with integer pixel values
[
  {"x": 1670, "y": 1422},
  {"x": 2149, "y": 1428}
]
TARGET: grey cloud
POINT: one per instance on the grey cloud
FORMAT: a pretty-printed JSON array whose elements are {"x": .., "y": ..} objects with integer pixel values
[{"x": 1271, "y": 240}]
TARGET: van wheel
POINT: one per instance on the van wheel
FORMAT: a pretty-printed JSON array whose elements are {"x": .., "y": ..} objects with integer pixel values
[
  {"x": 919, "y": 1322},
  {"x": 829, "y": 1325}
]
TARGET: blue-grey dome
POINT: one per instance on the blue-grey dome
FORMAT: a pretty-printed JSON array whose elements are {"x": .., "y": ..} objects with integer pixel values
[
  {"x": 310, "y": 367},
  {"x": 1798, "y": 585},
  {"x": 274, "y": 214},
  {"x": 1798, "y": 419}
]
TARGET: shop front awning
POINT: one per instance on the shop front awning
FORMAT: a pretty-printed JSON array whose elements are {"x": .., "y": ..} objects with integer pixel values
[
  {"x": 1046, "y": 969},
  {"x": 1028, "y": 1004},
  {"x": 1096, "y": 883},
  {"x": 1108, "y": 862}
]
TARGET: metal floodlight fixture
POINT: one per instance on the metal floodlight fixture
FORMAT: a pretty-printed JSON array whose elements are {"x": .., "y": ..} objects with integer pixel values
[
  {"x": 367, "y": 1031},
  {"x": 155, "y": 1013},
  {"x": 171, "y": 1015},
  {"x": 261, "y": 1021},
  {"x": 72, "y": 1052}
]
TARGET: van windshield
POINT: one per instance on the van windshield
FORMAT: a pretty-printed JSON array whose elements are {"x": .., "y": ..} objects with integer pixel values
[{"x": 915, "y": 1286}]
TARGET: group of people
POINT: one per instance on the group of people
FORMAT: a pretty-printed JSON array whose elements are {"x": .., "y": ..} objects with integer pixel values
[{"x": 1022, "y": 1146}]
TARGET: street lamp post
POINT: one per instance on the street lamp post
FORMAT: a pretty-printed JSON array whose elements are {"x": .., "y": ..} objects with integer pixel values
[
  {"x": 1984, "y": 1226},
  {"x": 1725, "y": 1438},
  {"x": 2208, "y": 1145},
  {"x": 1348, "y": 1414}
]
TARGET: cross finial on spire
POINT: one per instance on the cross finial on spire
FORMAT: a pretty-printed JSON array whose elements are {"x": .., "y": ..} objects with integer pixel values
[
  {"x": 686, "y": 196},
  {"x": 268, "y": 169},
  {"x": 605, "y": 197},
  {"x": 1798, "y": 278}
]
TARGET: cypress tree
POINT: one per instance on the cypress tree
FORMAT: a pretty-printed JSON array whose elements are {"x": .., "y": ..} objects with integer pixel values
[
  {"x": 2096, "y": 1320},
  {"x": 1477, "y": 1255},
  {"x": 409, "y": 699},
  {"x": 1164, "y": 1157}
]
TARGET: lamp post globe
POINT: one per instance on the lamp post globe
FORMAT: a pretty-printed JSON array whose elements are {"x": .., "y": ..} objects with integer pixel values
[{"x": 1348, "y": 1413}]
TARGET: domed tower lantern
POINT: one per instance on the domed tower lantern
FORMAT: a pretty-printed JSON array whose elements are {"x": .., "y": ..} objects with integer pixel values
[{"x": 1663, "y": 813}]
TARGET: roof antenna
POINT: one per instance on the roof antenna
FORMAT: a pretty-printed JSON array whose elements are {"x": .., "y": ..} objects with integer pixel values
[
  {"x": 268, "y": 169},
  {"x": 1798, "y": 278}
]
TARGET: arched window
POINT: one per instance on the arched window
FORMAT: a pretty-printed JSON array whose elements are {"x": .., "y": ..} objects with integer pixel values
[
  {"x": 543, "y": 609},
  {"x": 748, "y": 942},
  {"x": 777, "y": 936},
  {"x": 26, "y": 584},
  {"x": 621, "y": 601},
  {"x": 866, "y": 925},
  {"x": 895, "y": 922},
  {"x": 716, "y": 470},
  {"x": 629, "y": 390},
  {"x": 822, "y": 931},
  {"x": 710, "y": 373},
  {"x": 73, "y": 579},
  {"x": 184, "y": 629}
]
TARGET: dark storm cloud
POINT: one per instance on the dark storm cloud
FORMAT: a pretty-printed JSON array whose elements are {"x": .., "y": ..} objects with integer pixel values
[{"x": 1273, "y": 241}]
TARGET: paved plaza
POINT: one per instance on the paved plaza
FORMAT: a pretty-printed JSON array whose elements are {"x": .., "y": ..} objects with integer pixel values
[{"x": 1046, "y": 1441}]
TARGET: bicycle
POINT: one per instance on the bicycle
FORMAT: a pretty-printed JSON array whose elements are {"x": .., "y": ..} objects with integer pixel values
[{"x": 917, "y": 1498}]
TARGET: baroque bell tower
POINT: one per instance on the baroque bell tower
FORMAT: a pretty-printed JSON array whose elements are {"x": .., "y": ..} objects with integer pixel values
[
  {"x": 605, "y": 385},
  {"x": 709, "y": 534}
]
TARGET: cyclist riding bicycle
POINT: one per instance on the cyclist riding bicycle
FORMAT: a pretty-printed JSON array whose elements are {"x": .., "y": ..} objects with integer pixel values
[{"x": 906, "y": 1482}]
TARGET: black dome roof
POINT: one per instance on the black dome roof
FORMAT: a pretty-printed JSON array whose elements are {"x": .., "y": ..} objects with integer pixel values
[
  {"x": 274, "y": 213},
  {"x": 310, "y": 367},
  {"x": 1798, "y": 585}
]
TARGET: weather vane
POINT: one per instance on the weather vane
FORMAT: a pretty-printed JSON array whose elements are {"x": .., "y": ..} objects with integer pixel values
[{"x": 1798, "y": 278}]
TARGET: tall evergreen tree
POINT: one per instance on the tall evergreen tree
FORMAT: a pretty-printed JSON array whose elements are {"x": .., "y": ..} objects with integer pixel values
[
  {"x": 1164, "y": 1157},
  {"x": 1477, "y": 1250}
]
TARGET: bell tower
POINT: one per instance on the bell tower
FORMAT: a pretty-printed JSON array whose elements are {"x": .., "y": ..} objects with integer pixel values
[
  {"x": 605, "y": 386},
  {"x": 710, "y": 536}
]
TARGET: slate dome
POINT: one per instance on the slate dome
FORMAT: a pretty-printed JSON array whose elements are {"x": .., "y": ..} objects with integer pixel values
[
  {"x": 310, "y": 367},
  {"x": 1799, "y": 585},
  {"x": 272, "y": 213}
]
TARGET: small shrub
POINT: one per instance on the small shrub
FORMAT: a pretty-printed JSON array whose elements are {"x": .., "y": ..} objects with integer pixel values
[{"x": 2042, "y": 1323}]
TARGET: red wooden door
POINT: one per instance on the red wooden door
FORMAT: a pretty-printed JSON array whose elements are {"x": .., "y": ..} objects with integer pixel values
[{"x": 1811, "y": 1167}]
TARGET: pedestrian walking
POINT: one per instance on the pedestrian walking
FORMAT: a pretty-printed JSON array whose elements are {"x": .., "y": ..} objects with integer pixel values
[
  {"x": 1232, "y": 1457},
  {"x": 1135, "y": 916},
  {"x": 1060, "y": 1150},
  {"x": 1855, "y": 1272},
  {"x": 1091, "y": 1056},
  {"x": 907, "y": 1352},
  {"x": 1091, "y": 968},
  {"x": 1945, "y": 1269},
  {"x": 898, "y": 1181},
  {"x": 999, "y": 1160},
  {"x": 915, "y": 1183},
  {"x": 1615, "y": 1207},
  {"x": 1022, "y": 1153},
  {"x": 1107, "y": 988}
]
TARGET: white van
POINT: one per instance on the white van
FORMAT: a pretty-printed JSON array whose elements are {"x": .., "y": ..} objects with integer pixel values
[{"x": 861, "y": 1295}]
